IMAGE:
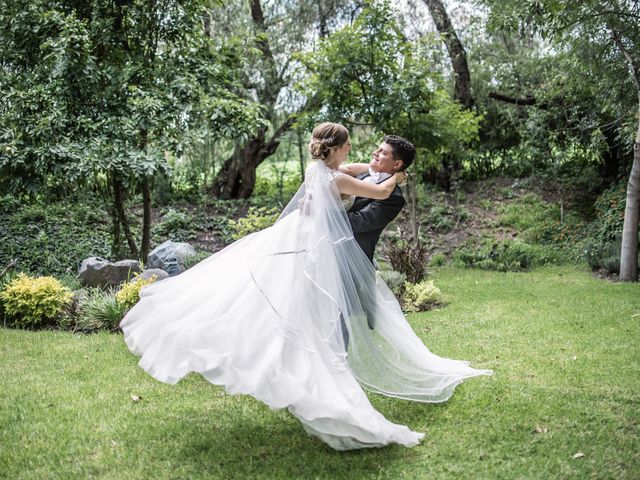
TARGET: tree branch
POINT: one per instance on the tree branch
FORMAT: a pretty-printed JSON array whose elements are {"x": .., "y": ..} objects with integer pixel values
[
  {"x": 528, "y": 100},
  {"x": 633, "y": 66}
]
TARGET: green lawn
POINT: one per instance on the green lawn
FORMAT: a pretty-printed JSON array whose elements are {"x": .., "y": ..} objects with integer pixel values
[{"x": 564, "y": 347}]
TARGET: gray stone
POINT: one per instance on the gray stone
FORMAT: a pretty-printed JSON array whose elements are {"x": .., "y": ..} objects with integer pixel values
[
  {"x": 152, "y": 272},
  {"x": 170, "y": 257},
  {"x": 98, "y": 272}
]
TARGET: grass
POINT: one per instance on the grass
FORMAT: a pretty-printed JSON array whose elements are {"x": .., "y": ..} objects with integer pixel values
[{"x": 563, "y": 344}]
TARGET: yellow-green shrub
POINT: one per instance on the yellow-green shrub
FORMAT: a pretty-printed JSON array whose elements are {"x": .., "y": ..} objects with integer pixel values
[
  {"x": 31, "y": 302},
  {"x": 129, "y": 293},
  {"x": 422, "y": 296}
]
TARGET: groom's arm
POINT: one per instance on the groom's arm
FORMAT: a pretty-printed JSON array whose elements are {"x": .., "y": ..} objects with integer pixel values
[{"x": 377, "y": 214}]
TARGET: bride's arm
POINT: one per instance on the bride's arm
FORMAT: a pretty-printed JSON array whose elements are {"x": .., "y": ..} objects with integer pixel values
[
  {"x": 354, "y": 169},
  {"x": 352, "y": 186}
]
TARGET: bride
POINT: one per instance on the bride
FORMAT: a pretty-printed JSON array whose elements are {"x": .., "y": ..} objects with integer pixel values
[{"x": 281, "y": 315}]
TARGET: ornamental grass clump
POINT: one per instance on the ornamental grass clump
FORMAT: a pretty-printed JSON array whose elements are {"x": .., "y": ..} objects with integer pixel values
[
  {"x": 422, "y": 296},
  {"x": 129, "y": 293},
  {"x": 30, "y": 302},
  {"x": 98, "y": 310}
]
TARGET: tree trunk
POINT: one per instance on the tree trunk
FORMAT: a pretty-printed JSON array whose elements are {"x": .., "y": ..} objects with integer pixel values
[
  {"x": 118, "y": 203},
  {"x": 145, "y": 243},
  {"x": 629, "y": 249},
  {"x": 237, "y": 177},
  {"x": 457, "y": 53}
]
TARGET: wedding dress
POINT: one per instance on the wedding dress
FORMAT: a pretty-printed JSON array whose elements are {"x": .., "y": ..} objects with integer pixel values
[{"x": 280, "y": 315}]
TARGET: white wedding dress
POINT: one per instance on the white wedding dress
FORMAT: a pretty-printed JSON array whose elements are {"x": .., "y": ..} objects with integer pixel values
[{"x": 280, "y": 315}]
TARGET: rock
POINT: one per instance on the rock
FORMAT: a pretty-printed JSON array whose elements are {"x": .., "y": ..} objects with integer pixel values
[
  {"x": 170, "y": 257},
  {"x": 152, "y": 272},
  {"x": 98, "y": 272}
]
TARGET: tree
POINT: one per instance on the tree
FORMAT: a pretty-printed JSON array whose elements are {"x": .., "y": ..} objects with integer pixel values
[
  {"x": 607, "y": 34},
  {"x": 276, "y": 31},
  {"x": 368, "y": 73},
  {"x": 101, "y": 88},
  {"x": 457, "y": 53}
]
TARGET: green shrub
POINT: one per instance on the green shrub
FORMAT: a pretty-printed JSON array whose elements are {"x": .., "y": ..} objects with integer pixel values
[
  {"x": 603, "y": 255},
  {"x": 129, "y": 293},
  {"x": 257, "y": 218},
  {"x": 34, "y": 302},
  {"x": 438, "y": 260},
  {"x": 97, "y": 310},
  {"x": 52, "y": 239},
  {"x": 419, "y": 297},
  {"x": 195, "y": 259},
  {"x": 177, "y": 225},
  {"x": 609, "y": 214},
  {"x": 394, "y": 280},
  {"x": 507, "y": 256}
]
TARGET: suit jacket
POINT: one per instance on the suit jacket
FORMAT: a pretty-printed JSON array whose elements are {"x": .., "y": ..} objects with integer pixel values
[{"x": 369, "y": 217}]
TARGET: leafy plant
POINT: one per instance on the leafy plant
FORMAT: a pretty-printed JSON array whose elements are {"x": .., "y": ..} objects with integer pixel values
[
  {"x": 257, "y": 218},
  {"x": 422, "y": 296},
  {"x": 394, "y": 280},
  {"x": 192, "y": 260},
  {"x": 438, "y": 260},
  {"x": 98, "y": 310},
  {"x": 129, "y": 293},
  {"x": 33, "y": 302}
]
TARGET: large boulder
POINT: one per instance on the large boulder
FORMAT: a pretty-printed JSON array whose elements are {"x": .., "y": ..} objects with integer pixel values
[
  {"x": 98, "y": 272},
  {"x": 170, "y": 257}
]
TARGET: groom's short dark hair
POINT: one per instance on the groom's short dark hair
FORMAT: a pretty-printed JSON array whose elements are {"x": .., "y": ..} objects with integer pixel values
[{"x": 402, "y": 149}]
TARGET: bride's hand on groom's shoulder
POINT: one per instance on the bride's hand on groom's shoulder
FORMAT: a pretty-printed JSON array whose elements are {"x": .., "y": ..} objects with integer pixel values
[{"x": 401, "y": 177}]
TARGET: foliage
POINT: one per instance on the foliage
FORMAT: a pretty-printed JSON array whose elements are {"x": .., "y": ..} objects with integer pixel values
[
  {"x": 409, "y": 257},
  {"x": 129, "y": 293},
  {"x": 394, "y": 280},
  {"x": 438, "y": 260},
  {"x": 53, "y": 238},
  {"x": 96, "y": 87},
  {"x": 422, "y": 296},
  {"x": 609, "y": 213},
  {"x": 507, "y": 256},
  {"x": 192, "y": 260},
  {"x": 605, "y": 255},
  {"x": 97, "y": 310},
  {"x": 33, "y": 302},
  {"x": 176, "y": 225},
  {"x": 257, "y": 218},
  {"x": 369, "y": 72},
  {"x": 444, "y": 217}
]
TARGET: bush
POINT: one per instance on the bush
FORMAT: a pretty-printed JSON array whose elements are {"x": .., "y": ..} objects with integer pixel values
[
  {"x": 97, "y": 310},
  {"x": 507, "y": 256},
  {"x": 177, "y": 225},
  {"x": 257, "y": 218},
  {"x": 438, "y": 260},
  {"x": 34, "y": 302},
  {"x": 603, "y": 255},
  {"x": 192, "y": 260},
  {"x": 419, "y": 297},
  {"x": 129, "y": 293},
  {"x": 52, "y": 239},
  {"x": 394, "y": 280}
]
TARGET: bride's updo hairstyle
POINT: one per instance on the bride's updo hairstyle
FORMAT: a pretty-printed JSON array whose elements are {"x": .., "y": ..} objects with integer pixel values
[{"x": 326, "y": 136}]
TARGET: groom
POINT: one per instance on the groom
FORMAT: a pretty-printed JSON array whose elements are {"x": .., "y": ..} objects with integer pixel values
[{"x": 369, "y": 217}]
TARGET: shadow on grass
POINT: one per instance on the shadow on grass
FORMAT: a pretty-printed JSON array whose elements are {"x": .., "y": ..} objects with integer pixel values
[{"x": 274, "y": 445}]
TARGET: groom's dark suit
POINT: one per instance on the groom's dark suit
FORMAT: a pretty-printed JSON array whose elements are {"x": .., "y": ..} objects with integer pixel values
[{"x": 369, "y": 217}]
